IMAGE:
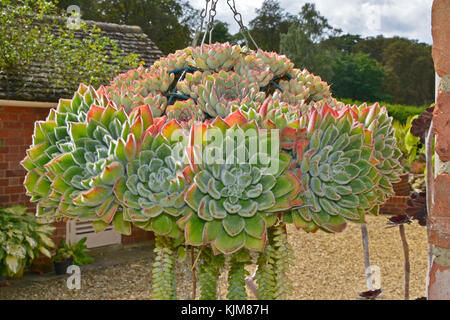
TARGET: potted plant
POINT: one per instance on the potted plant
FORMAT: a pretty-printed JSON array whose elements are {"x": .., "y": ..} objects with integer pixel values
[
  {"x": 68, "y": 254},
  {"x": 63, "y": 257}
]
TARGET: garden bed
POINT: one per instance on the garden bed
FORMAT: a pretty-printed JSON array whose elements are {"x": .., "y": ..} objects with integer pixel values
[{"x": 326, "y": 266}]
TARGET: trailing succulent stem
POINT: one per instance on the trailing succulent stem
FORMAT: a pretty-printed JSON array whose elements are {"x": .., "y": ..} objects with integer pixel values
[
  {"x": 273, "y": 265},
  {"x": 208, "y": 273},
  {"x": 236, "y": 275},
  {"x": 164, "y": 286},
  {"x": 265, "y": 275}
]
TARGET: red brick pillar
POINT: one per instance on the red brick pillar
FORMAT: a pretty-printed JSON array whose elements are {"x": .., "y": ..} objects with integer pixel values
[{"x": 439, "y": 277}]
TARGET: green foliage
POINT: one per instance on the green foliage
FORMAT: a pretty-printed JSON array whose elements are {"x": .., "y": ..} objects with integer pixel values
[
  {"x": 77, "y": 251},
  {"x": 359, "y": 77},
  {"x": 163, "y": 272},
  {"x": 269, "y": 24},
  {"x": 168, "y": 23},
  {"x": 23, "y": 237},
  {"x": 237, "y": 274},
  {"x": 273, "y": 264},
  {"x": 33, "y": 32},
  {"x": 209, "y": 269},
  {"x": 409, "y": 64}
]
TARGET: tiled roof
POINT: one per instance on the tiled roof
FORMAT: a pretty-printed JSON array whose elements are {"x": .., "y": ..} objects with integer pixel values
[{"x": 35, "y": 85}]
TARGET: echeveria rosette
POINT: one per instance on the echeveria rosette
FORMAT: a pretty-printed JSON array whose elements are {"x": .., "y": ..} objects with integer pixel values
[
  {"x": 51, "y": 138},
  {"x": 153, "y": 190},
  {"x": 318, "y": 89},
  {"x": 214, "y": 57},
  {"x": 83, "y": 178},
  {"x": 376, "y": 119},
  {"x": 222, "y": 90},
  {"x": 234, "y": 202},
  {"x": 254, "y": 69},
  {"x": 338, "y": 172},
  {"x": 280, "y": 65},
  {"x": 141, "y": 86},
  {"x": 184, "y": 111}
]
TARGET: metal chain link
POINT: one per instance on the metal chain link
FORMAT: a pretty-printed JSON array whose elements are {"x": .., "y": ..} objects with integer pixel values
[
  {"x": 210, "y": 24},
  {"x": 200, "y": 27},
  {"x": 238, "y": 19}
]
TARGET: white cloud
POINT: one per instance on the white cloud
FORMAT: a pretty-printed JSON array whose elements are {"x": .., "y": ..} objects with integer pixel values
[{"x": 406, "y": 18}]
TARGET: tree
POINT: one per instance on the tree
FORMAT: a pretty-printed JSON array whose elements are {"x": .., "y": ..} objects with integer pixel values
[
  {"x": 270, "y": 22},
  {"x": 32, "y": 32},
  {"x": 168, "y": 23},
  {"x": 304, "y": 44},
  {"x": 359, "y": 77},
  {"x": 409, "y": 65}
]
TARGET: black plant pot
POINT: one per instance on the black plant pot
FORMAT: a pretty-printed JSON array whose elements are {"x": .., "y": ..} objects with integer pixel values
[{"x": 61, "y": 266}]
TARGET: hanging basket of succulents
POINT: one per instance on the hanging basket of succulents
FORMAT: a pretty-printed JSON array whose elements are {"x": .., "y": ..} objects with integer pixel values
[{"x": 214, "y": 148}]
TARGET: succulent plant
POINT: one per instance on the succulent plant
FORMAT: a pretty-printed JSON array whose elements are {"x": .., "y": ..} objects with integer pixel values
[
  {"x": 318, "y": 89},
  {"x": 208, "y": 273},
  {"x": 234, "y": 201},
  {"x": 337, "y": 170},
  {"x": 188, "y": 86},
  {"x": 217, "y": 147},
  {"x": 52, "y": 138},
  {"x": 254, "y": 69},
  {"x": 153, "y": 190},
  {"x": 174, "y": 61},
  {"x": 237, "y": 274},
  {"x": 273, "y": 265},
  {"x": 377, "y": 120},
  {"x": 294, "y": 92},
  {"x": 215, "y": 57},
  {"x": 222, "y": 90},
  {"x": 184, "y": 111},
  {"x": 279, "y": 64},
  {"x": 139, "y": 87}
]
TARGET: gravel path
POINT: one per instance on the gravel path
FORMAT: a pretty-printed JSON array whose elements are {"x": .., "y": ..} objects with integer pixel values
[{"x": 326, "y": 266}]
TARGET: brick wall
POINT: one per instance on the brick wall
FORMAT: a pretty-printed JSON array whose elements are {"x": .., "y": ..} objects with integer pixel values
[
  {"x": 16, "y": 129},
  {"x": 439, "y": 271}
]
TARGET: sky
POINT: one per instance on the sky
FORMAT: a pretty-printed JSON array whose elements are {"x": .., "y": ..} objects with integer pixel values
[{"x": 406, "y": 18}]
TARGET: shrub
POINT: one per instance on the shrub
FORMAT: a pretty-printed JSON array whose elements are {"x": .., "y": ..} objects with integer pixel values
[{"x": 22, "y": 238}]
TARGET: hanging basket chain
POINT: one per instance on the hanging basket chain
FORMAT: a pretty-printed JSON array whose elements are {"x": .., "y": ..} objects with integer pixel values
[
  {"x": 210, "y": 24},
  {"x": 242, "y": 28},
  {"x": 200, "y": 27}
]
